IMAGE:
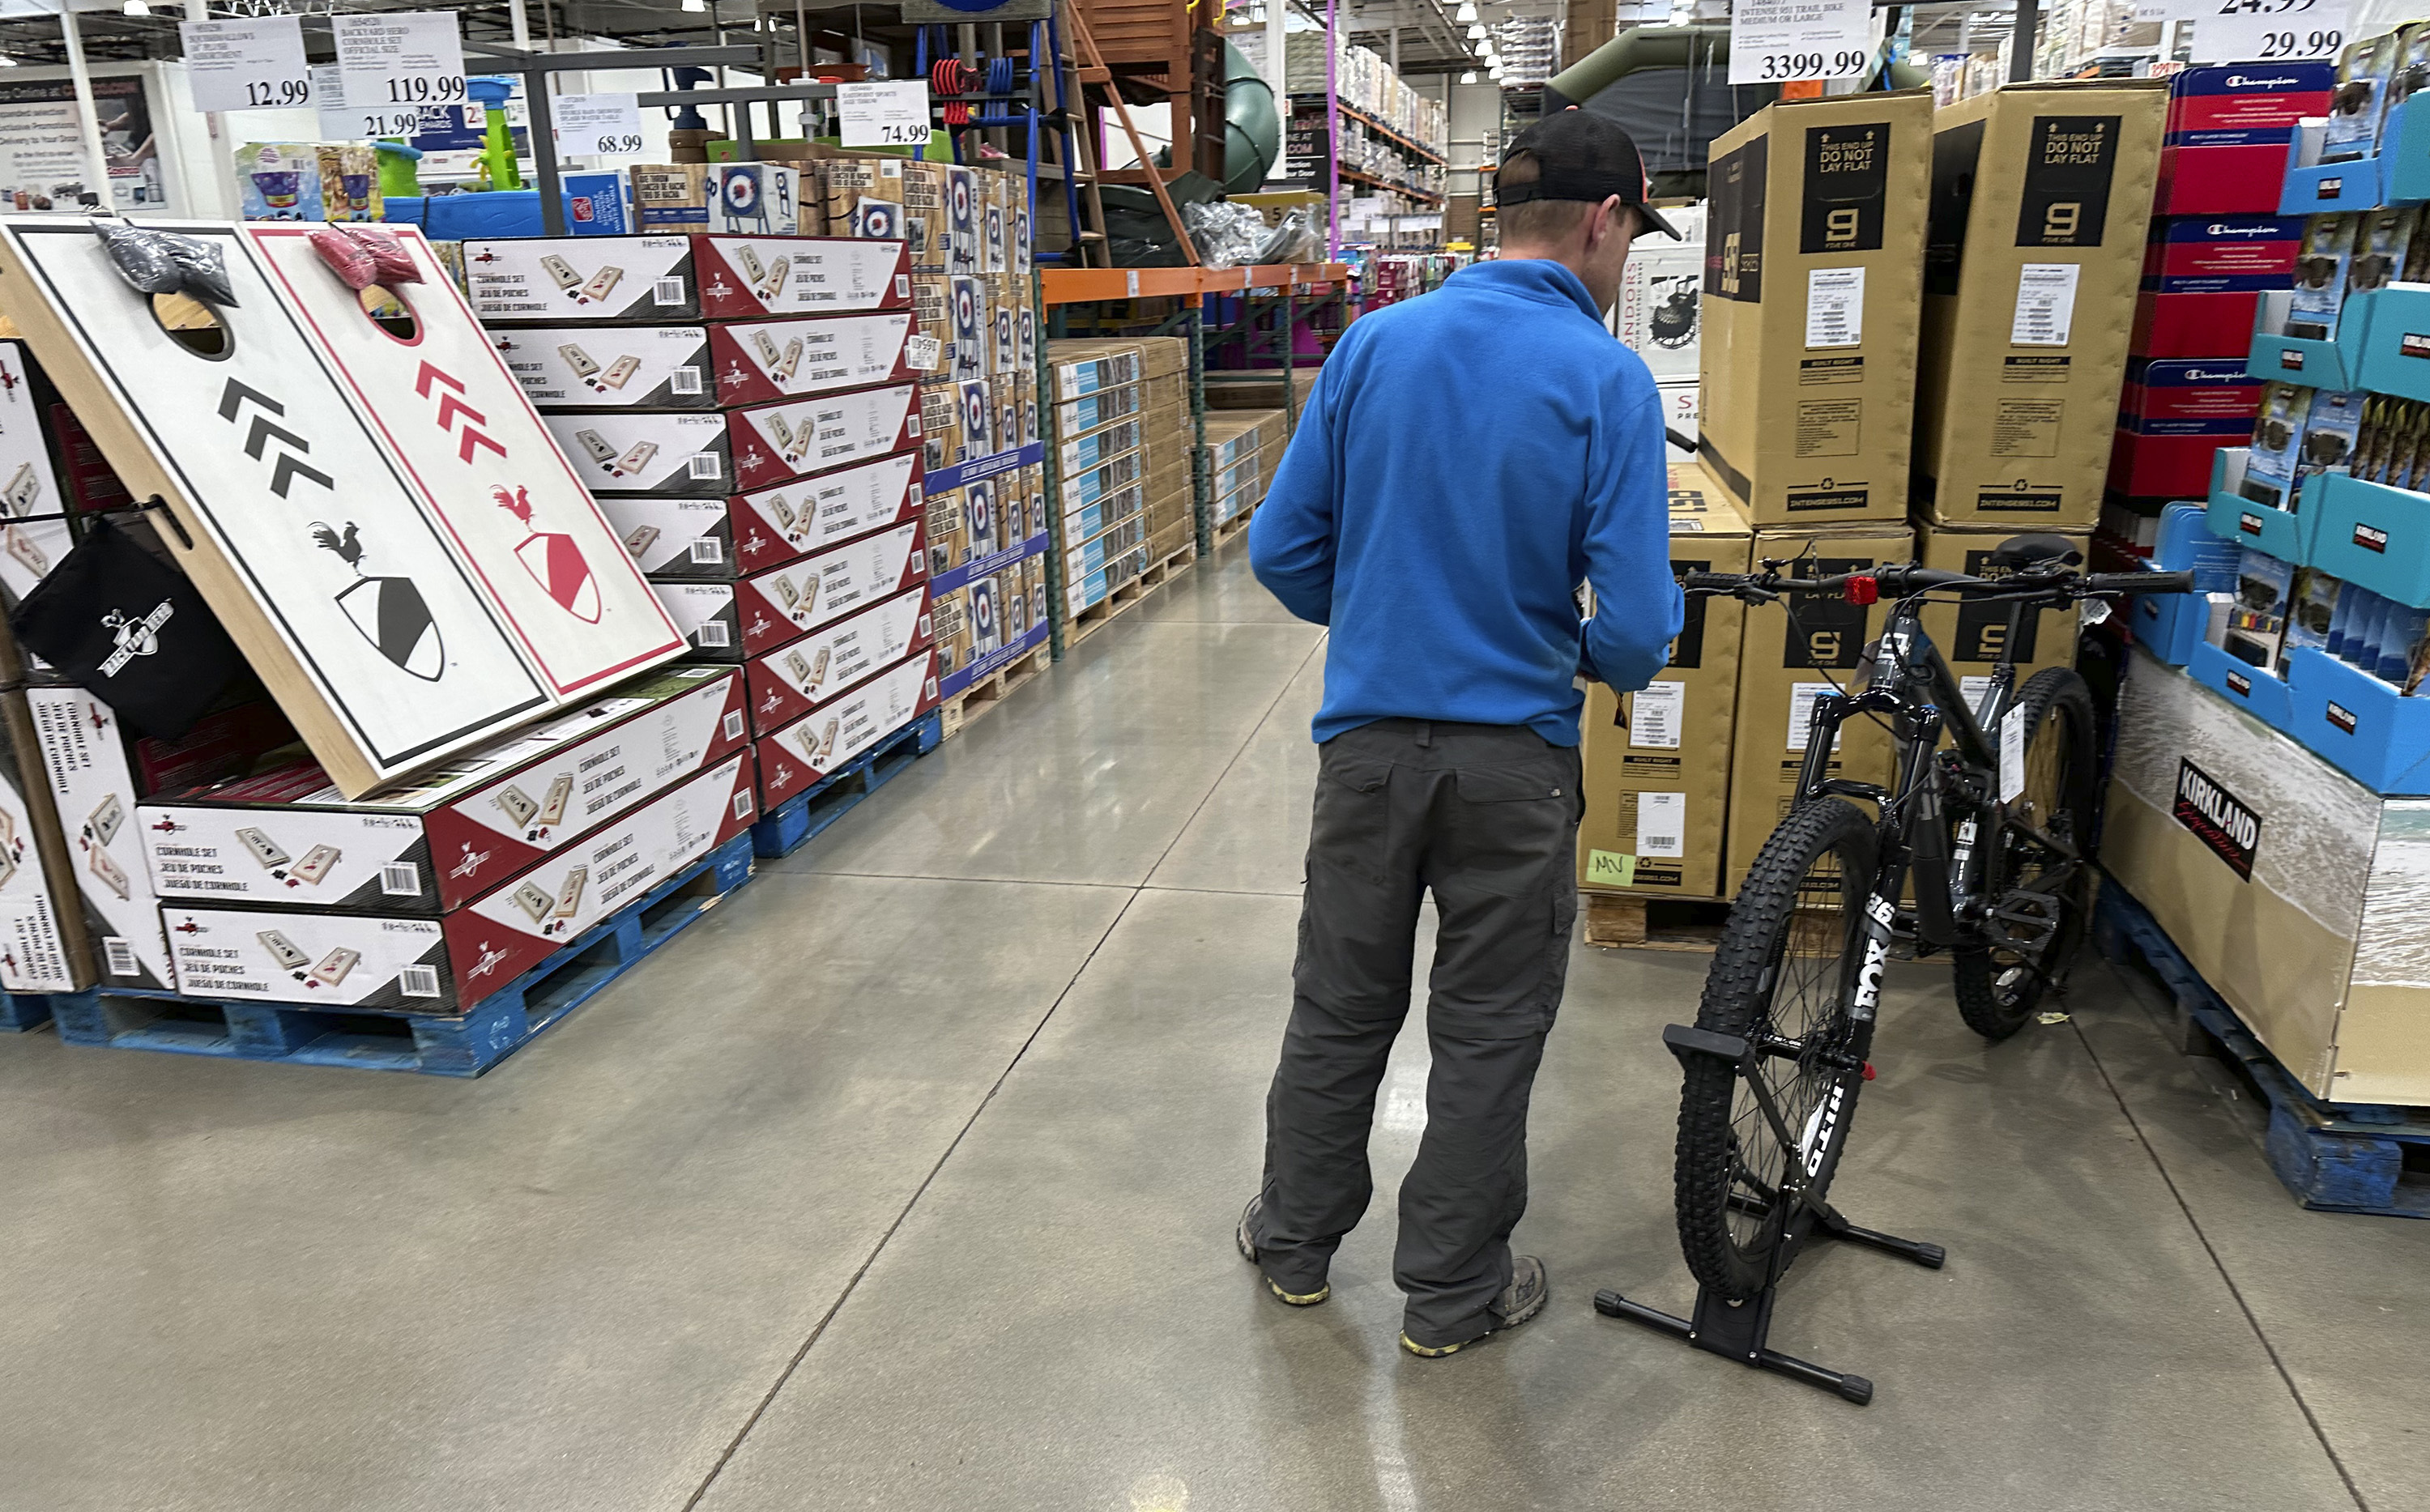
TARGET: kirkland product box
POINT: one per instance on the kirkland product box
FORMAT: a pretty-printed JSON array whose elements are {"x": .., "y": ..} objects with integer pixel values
[
  {"x": 447, "y": 965},
  {"x": 2228, "y": 130},
  {"x": 804, "y": 753},
  {"x": 1971, "y": 634},
  {"x": 597, "y": 280},
  {"x": 723, "y": 538},
  {"x": 2290, "y": 887},
  {"x": 710, "y": 454},
  {"x": 286, "y": 839},
  {"x": 1783, "y": 666},
  {"x": 2036, "y": 257},
  {"x": 789, "y": 682},
  {"x": 1658, "y": 762},
  {"x": 1813, "y": 263}
]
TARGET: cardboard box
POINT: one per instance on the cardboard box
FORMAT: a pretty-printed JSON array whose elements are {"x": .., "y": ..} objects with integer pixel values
[
  {"x": 1813, "y": 257},
  {"x": 883, "y": 197},
  {"x": 447, "y": 965},
  {"x": 1971, "y": 636},
  {"x": 2193, "y": 325},
  {"x": 974, "y": 521},
  {"x": 806, "y": 752},
  {"x": 1238, "y": 390},
  {"x": 1661, "y": 286},
  {"x": 1782, "y": 667},
  {"x": 2228, "y": 130},
  {"x": 2288, "y": 886},
  {"x": 2220, "y": 254},
  {"x": 2172, "y": 416},
  {"x": 646, "y": 450},
  {"x": 708, "y": 454},
  {"x": 29, "y": 477},
  {"x": 2035, "y": 262},
  {"x": 765, "y": 361},
  {"x": 776, "y": 525},
  {"x": 789, "y": 682},
  {"x": 595, "y": 280},
  {"x": 287, "y": 838},
  {"x": 625, "y": 367},
  {"x": 94, "y": 788},
  {"x": 735, "y": 199},
  {"x": 987, "y": 617},
  {"x": 1077, "y": 417},
  {"x": 732, "y": 621},
  {"x": 35, "y": 954},
  {"x": 1078, "y": 368},
  {"x": 1657, "y": 762}
]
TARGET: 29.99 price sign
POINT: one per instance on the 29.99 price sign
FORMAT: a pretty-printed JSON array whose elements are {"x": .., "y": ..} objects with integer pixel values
[
  {"x": 1779, "y": 41},
  {"x": 2267, "y": 31}
]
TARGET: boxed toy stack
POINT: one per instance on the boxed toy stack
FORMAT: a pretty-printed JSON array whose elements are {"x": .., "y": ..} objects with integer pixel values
[
  {"x": 745, "y": 410},
  {"x": 1122, "y": 432},
  {"x": 968, "y": 234},
  {"x": 2217, "y": 245}
]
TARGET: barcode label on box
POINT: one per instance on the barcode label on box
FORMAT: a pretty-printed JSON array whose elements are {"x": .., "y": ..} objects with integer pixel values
[
  {"x": 734, "y": 725},
  {"x": 667, "y": 292},
  {"x": 401, "y": 879},
  {"x": 704, "y": 465},
  {"x": 1661, "y": 824},
  {"x": 1654, "y": 718},
  {"x": 742, "y": 804},
  {"x": 707, "y": 551},
  {"x": 711, "y": 634},
  {"x": 685, "y": 380},
  {"x": 119, "y": 957},
  {"x": 419, "y": 981}
]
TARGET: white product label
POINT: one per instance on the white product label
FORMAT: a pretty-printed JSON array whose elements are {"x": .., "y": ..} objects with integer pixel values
[
  {"x": 1773, "y": 41},
  {"x": 1975, "y": 688},
  {"x": 342, "y": 122},
  {"x": 1801, "y": 712},
  {"x": 1654, "y": 716},
  {"x": 1835, "y": 307},
  {"x": 401, "y": 59},
  {"x": 2045, "y": 304},
  {"x": 892, "y": 114},
  {"x": 598, "y": 125},
  {"x": 923, "y": 352},
  {"x": 252, "y": 64},
  {"x": 2012, "y": 755},
  {"x": 1661, "y": 824},
  {"x": 2274, "y": 31}
]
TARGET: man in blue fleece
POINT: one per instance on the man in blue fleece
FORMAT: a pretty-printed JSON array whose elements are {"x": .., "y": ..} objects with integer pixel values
[{"x": 1465, "y": 460}]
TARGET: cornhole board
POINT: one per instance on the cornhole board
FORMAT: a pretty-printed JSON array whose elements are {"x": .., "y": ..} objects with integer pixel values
[{"x": 334, "y": 485}]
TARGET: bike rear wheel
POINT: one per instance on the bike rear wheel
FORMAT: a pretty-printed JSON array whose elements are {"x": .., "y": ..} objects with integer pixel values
[
  {"x": 1781, "y": 979},
  {"x": 2035, "y": 888}
]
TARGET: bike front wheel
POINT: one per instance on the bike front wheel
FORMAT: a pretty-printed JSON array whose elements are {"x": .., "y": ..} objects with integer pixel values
[
  {"x": 2037, "y": 866},
  {"x": 1782, "y": 979}
]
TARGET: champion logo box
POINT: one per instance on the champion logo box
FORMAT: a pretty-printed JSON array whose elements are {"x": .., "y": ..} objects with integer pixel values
[
  {"x": 447, "y": 965},
  {"x": 288, "y": 839},
  {"x": 730, "y": 538},
  {"x": 601, "y": 280},
  {"x": 804, "y": 753},
  {"x": 730, "y": 622},
  {"x": 717, "y": 453},
  {"x": 706, "y": 367}
]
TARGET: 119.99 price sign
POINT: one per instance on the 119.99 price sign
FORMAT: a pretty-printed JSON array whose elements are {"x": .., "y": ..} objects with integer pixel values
[
  {"x": 2267, "y": 31},
  {"x": 1779, "y": 41}
]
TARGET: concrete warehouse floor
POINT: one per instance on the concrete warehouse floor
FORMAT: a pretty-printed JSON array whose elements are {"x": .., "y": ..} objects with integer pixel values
[{"x": 907, "y": 1178}]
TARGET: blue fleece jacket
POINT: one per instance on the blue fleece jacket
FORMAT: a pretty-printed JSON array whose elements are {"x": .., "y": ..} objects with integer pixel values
[{"x": 1465, "y": 460}]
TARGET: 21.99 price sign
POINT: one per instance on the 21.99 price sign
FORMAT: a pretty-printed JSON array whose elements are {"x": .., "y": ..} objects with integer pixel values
[
  {"x": 1779, "y": 41},
  {"x": 2267, "y": 31}
]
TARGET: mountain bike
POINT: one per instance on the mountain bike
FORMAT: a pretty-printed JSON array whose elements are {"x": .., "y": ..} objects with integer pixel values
[{"x": 1990, "y": 833}]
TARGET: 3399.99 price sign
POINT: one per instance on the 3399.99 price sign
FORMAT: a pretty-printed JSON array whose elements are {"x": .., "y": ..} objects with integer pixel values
[{"x": 1780, "y": 41}]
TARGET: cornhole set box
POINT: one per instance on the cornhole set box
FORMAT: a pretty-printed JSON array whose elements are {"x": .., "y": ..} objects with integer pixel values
[
  {"x": 2032, "y": 264},
  {"x": 29, "y": 481},
  {"x": 286, "y": 839},
  {"x": 94, "y": 789},
  {"x": 598, "y": 280},
  {"x": 733, "y": 620},
  {"x": 1658, "y": 762},
  {"x": 1813, "y": 253},
  {"x": 34, "y": 953},
  {"x": 804, "y": 753},
  {"x": 382, "y": 524},
  {"x": 791, "y": 680},
  {"x": 447, "y": 965},
  {"x": 2228, "y": 131},
  {"x": 704, "y": 367},
  {"x": 719, "y": 452},
  {"x": 722, "y": 539}
]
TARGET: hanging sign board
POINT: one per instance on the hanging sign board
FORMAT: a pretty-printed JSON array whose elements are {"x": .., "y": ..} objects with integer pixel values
[
  {"x": 598, "y": 125},
  {"x": 1775, "y": 42},
  {"x": 340, "y": 121},
  {"x": 401, "y": 59},
  {"x": 893, "y": 114},
  {"x": 2266, "y": 31},
  {"x": 251, "y": 64}
]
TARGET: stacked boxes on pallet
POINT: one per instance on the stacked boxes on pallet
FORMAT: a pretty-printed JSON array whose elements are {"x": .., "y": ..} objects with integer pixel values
[
  {"x": 1244, "y": 448},
  {"x": 749, "y": 421},
  {"x": 1120, "y": 424}
]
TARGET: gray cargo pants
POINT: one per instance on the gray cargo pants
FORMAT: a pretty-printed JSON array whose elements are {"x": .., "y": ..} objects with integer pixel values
[{"x": 1487, "y": 815}]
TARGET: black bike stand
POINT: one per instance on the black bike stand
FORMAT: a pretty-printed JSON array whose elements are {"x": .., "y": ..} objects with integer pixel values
[{"x": 1736, "y": 1330}]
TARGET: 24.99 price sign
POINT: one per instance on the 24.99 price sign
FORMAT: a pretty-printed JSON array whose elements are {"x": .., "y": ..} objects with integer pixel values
[
  {"x": 1776, "y": 41},
  {"x": 2267, "y": 31}
]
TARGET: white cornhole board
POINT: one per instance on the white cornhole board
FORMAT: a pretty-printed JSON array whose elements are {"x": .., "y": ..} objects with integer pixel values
[{"x": 386, "y": 622}]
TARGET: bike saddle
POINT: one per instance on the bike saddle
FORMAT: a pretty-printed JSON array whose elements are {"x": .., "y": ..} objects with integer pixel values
[{"x": 2019, "y": 553}]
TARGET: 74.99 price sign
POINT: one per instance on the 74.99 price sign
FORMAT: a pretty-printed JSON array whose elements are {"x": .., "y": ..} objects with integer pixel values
[
  {"x": 2267, "y": 31},
  {"x": 1777, "y": 41}
]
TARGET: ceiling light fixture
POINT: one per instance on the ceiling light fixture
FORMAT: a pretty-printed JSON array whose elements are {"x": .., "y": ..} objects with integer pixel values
[
  {"x": 1467, "y": 12},
  {"x": 695, "y": 7},
  {"x": 1476, "y": 32},
  {"x": 1469, "y": 77},
  {"x": 135, "y": 7}
]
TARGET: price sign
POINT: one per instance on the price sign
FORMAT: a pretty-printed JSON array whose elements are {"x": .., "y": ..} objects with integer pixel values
[
  {"x": 2266, "y": 31},
  {"x": 892, "y": 114},
  {"x": 254, "y": 64},
  {"x": 1775, "y": 41},
  {"x": 597, "y": 126},
  {"x": 399, "y": 61},
  {"x": 340, "y": 121}
]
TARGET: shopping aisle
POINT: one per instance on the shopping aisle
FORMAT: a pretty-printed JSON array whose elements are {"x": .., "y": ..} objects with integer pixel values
[{"x": 944, "y": 1219}]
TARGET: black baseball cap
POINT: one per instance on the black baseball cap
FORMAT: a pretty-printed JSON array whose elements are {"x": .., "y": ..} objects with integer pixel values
[{"x": 1581, "y": 157}]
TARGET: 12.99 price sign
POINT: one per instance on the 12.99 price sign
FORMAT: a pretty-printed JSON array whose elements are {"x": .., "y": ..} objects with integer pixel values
[
  {"x": 1778, "y": 41},
  {"x": 2267, "y": 31}
]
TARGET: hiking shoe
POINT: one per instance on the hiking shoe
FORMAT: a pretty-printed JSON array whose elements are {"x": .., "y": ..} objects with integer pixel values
[
  {"x": 1522, "y": 1299},
  {"x": 1247, "y": 1238}
]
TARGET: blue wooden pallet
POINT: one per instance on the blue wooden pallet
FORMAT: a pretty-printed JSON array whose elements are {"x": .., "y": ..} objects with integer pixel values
[
  {"x": 466, "y": 1044},
  {"x": 792, "y": 824},
  {"x": 20, "y": 1011},
  {"x": 2339, "y": 1157}
]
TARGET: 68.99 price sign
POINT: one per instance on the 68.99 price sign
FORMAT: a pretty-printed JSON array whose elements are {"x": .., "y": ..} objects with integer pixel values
[
  {"x": 1777, "y": 41},
  {"x": 2267, "y": 31}
]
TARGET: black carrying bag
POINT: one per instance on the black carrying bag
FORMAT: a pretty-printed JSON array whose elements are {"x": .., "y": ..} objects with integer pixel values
[{"x": 130, "y": 629}]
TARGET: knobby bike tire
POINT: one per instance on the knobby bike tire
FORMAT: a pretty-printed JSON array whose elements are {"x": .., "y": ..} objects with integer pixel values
[
  {"x": 1999, "y": 989},
  {"x": 1729, "y": 1248}
]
